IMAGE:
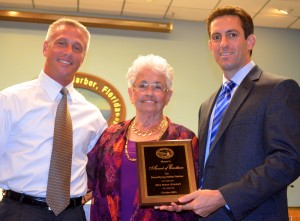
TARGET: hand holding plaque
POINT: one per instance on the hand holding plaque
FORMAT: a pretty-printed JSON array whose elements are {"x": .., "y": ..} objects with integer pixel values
[{"x": 166, "y": 171}]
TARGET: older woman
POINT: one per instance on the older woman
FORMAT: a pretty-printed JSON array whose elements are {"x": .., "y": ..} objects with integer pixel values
[{"x": 116, "y": 184}]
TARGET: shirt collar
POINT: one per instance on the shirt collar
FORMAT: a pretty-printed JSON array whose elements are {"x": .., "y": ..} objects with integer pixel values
[
  {"x": 239, "y": 76},
  {"x": 52, "y": 88}
]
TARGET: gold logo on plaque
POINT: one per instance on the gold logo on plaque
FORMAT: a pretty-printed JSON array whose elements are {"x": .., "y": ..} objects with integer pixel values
[
  {"x": 103, "y": 95},
  {"x": 164, "y": 153}
]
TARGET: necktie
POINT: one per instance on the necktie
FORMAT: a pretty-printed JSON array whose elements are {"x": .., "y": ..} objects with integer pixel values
[
  {"x": 221, "y": 105},
  {"x": 58, "y": 189}
]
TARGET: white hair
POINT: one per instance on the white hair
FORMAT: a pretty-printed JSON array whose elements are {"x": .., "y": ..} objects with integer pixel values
[{"x": 153, "y": 62}]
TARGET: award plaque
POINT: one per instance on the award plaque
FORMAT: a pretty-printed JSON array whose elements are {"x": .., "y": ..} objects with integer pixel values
[{"x": 166, "y": 171}]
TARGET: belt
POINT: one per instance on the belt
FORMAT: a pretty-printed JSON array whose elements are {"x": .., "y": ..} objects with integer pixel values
[{"x": 37, "y": 201}]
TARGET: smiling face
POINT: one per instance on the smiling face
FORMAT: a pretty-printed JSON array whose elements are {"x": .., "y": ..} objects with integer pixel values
[
  {"x": 148, "y": 100},
  {"x": 228, "y": 44},
  {"x": 64, "y": 52}
]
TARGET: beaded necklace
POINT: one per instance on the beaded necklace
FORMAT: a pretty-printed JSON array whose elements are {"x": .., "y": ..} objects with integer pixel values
[
  {"x": 150, "y": 132},
  {"x": 161, "y": 128}
]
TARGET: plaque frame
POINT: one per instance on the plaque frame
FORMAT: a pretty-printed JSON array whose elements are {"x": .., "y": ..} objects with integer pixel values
[{"x": 166, "y": 146}]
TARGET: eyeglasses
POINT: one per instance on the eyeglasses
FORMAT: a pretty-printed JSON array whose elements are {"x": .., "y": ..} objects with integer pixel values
[{"x": 156, "y": 87}]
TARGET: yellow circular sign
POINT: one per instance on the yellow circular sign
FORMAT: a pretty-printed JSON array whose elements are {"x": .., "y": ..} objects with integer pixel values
[{"x": 102, "y": 94}]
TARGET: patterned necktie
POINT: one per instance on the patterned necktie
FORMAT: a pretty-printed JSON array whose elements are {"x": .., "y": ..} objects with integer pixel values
[
  {"x": 221, "y": 105},
  {"x": 58, "y": 190}
]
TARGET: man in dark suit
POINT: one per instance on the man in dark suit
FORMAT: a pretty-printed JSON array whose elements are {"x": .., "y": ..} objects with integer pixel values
[{"x": 248, "y": 162}]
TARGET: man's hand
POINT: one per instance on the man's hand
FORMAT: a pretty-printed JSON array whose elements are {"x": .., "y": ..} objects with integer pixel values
[
  {"x": 202, "y": 202},
  {"x": 88, "y": 196}
]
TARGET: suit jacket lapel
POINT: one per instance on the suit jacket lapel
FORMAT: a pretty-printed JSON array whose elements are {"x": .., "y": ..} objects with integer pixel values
[
  {"x": 203, "y": 124},
  {"x": 204, "y": 116},
  {"x": 242, "y": 92}
]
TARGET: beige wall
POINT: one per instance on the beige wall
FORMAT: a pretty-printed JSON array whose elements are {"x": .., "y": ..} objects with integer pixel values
[{"x": 112, "y": 52}]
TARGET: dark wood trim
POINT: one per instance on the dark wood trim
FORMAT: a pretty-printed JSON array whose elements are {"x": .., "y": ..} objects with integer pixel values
[{"x": 87, "y": 21}]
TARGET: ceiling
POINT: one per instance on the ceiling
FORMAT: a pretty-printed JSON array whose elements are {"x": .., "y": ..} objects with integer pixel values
[{"x": 265, "y": 13}]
